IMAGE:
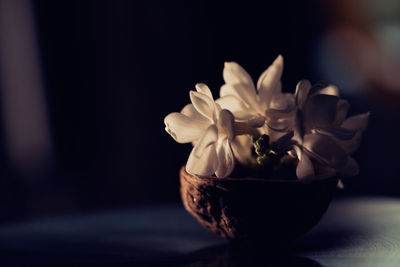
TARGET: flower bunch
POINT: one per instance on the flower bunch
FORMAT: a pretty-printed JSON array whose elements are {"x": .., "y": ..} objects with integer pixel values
[{"x": 259, "y": 126}]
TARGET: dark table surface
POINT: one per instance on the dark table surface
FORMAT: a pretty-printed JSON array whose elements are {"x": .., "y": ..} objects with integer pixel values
[{"x": 353, "y": 232}]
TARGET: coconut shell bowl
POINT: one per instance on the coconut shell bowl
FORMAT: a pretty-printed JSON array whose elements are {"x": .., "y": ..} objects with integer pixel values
[{"x": 254, "y": 210}]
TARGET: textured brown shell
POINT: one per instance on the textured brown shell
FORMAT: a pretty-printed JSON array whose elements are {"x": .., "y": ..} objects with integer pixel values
[{"x": 256, "y": 209}]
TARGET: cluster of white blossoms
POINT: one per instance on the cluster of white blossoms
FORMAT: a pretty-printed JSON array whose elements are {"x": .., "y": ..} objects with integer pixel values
[{"x": 310, "y": 126}]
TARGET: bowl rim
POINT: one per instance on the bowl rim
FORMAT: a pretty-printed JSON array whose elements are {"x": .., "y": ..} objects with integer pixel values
[{"x": 251, "y": 179}]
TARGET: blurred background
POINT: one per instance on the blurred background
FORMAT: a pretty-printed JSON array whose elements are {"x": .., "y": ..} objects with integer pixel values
[{"x": 85, "y": 86}]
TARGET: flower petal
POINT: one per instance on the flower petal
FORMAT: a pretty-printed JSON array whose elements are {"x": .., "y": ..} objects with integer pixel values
[
  {"x": 245, "y": 93},
  {"x": 228, "y": 89},
  {"x": 209, "y": 137},
  {"x": 317, "y": 87},
  {"x": 349, "y": 146},
  {"x": 325, "y": 150},
  {"x": 226, "y": 161},
  {"x": 241, "y": 147},
  {"x": 358, "y": 122},
  {"x": 268, "y": 83},
  {"x": 203, "y": 104},
  {"x": 192, "y": 113},
  {"x": 292, "y": 153},
  {"x": 239, "y": 108},
  {"x": 351, "y": 168},
  {"x": 329, "y": 90},
  {"x": 323, "y": 172},
  {"x": 203, "y": 165},
  {"x": 272, "y": 75},
  {"x": 203, "y": 160},
  {"x": 183, "y": 128},
  {"x": 321, "y": 110},
  {"x": 225, "y": 123},
  {"x": 234, "y": 74},
  {"x": 275, "y": 114},
  {"x": 256, "y": 122},
  {"x": 298, "y": 127},
  {"x": 337, "y": 132},
  {"x": 282, "y": 102},
  {"x": 302, "y": 91},
  {"x": 204, "y": 89},
  {"x": 279, "y": 125},
  {"x": 342, "y": 108},
  {"x": 305, "y": 169}
]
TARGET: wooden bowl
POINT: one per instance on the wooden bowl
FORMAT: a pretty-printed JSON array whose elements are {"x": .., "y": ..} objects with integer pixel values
[{"x": 256, "y": 210}]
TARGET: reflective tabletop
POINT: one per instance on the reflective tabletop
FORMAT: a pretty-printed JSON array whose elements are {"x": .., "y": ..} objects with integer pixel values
[{"x": 353, "y": 232}]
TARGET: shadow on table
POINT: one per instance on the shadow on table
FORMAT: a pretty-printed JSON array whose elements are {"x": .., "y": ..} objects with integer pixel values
[
  {"x": 323, "y": 241},
  {"x": 317, "y": 242},
  {"x": 222, "y": 255},
  {"x": 228, "y": 255},
  {"x": 165, "y": 236},
  {"x": 89, "y": 251}
]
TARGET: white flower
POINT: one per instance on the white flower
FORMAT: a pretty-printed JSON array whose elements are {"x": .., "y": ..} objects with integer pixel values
[
  {"x": 210, "y": 129},
  {"x": 323, "y": 137},
  {"x": 310, "y": 125},
  {"x": 264, "y": 105}
]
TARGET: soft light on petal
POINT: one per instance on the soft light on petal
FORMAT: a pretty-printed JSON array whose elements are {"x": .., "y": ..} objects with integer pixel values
[
  {"x": 256, "y": 122},
  {"x": 274, "y": 115},
  {"x": 225, "y": 124},
  {"x": 183, "y": 128},
  {"x": 203, "y": 88},
  {"x": 325, "y": 150},
  {"x": 209, "y": 137},
  {"x": 337, "y": 132},
  {"x": 192, "y": 113},
  {"x": 204, "y": 164},
  {"x": 268, "y": 83},
  {"x": 245, "y": 93},
  {"x": 302, "y": 91},
  {"x": 305, "y": 169},
  {"x": 234, "y": 74},
  {"x": 203, "y": 104},
  {"x": 329, "y": 90},
  {"x": 227, "y": 90},
  {"x": 282, "y": 102},
  {"x": 292, "y": 153},
  {"x": 239, "y": 108},
  {"x": 278, "y": 128},
  {"x": 226, "y": 161},
  {"x": 272, "y": 75},
  {"x": 279, "y": 125},
  {"x": 241, "y": 147}
]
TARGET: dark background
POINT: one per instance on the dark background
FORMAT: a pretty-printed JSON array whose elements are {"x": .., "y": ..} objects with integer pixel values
[{"x": 110, "y": 72}]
